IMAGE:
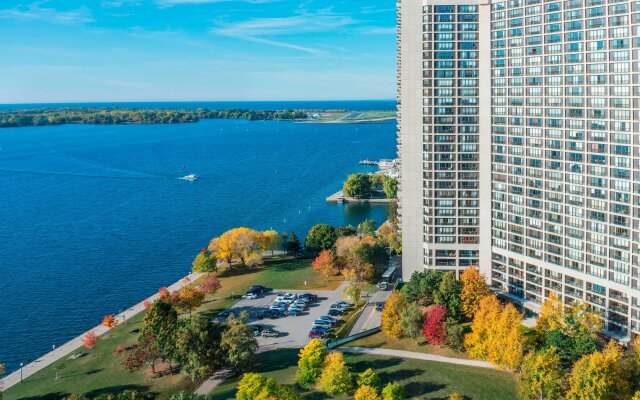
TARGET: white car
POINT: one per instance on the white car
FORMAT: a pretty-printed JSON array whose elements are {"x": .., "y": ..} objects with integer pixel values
[{"x": 250, "y": 295}]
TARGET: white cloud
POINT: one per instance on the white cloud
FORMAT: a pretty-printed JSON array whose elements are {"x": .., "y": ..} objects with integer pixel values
[
  {"x": 380, "y": 30},
  {"x": 34, "y": 12}
]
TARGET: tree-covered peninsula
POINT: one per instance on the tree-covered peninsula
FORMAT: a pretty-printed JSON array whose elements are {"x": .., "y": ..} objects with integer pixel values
[{"x": 116, "y": 116}]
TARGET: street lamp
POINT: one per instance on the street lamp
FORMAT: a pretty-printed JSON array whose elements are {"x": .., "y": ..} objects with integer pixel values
[{"x": 21, "y": 365}]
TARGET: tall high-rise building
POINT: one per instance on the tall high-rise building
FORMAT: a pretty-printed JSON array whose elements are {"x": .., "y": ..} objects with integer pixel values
[{"x": 519, "y": 145}]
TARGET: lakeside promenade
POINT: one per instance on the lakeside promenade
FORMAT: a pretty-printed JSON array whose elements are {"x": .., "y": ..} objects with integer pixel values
[{"x": 74, "y": 344}]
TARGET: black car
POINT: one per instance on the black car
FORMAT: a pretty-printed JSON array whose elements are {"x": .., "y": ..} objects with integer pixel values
[
  {"x": 259, "y": 289},
  {"x": 263, "y": 314},
  {"x": 257, "y": 330},
  {"x": 274, "y": 314},
  {"x": 310, "y": 296}
]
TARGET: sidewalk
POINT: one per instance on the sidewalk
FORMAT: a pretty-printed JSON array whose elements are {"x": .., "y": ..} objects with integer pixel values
[
  {"x": 417, "y": 356},
  {"x": 74, "y": 344}
]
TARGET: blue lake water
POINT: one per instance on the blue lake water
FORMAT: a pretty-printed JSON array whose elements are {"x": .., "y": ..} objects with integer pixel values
[{"x": 94, "y": 218}]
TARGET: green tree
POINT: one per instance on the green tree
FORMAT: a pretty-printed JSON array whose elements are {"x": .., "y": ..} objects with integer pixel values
[
  {"x": 541, "y": 376},
  {"x": 205, "y": 262},
  {"x": 570, "y": 349},
  {"x": 292, "y": 244},
  {"x": 393, "y": 391},
  {"x": 411, "y": 319},
  {"x": 161, "y": 323},
  {"x": 357, "y": 185},
  {"x": 367, "y": 227},
  {"x": 390, "y": 187},
  {"x": 455, "y": 334},
  {"x": 198, "y": 347},
  {"x": 320, "y": 237},
  {"x": 448, "y": 295},
  {"x": 344, "y": 231},
  {"x": 59, "y": 366},
  {"x": 254, "y": 386},
  {"x": 238, "y": 343},
  {"x": 310, "y": 362},
  {"x": 286, "y": 392},
  {"x": 335, "y": 377},
  {"x": 422, "y": 286},
  {"x": 369, "y": 378}
]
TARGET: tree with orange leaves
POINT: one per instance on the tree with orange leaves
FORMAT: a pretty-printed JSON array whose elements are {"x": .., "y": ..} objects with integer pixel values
[
  {"x": 188, "y": 299},
  {"x": 110, "y": 321},
  {"x": 90, "y": 340},
  {"x": 146, "y": 303},
  {"x": 326, "y": 263},
  {"x": 163, "y": 291}
]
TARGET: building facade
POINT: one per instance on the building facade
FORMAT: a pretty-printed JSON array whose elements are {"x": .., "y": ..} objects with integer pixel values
[{"x": 526, "y": 116}]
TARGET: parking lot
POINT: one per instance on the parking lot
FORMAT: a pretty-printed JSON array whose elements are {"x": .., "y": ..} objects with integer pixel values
[{"x": 293, "y": 330}]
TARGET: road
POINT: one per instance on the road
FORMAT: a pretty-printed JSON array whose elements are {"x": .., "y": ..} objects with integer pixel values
[{"x": 370, "y": 318}]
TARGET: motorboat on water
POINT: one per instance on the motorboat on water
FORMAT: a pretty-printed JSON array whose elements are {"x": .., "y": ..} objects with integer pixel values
[{"x": 190, "y": 177}]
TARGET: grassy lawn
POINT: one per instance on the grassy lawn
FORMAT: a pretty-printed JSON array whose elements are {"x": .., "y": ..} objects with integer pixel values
[
  {"x": 380, "y": 340},
  {"x": 100, "y": 371},
  {"x": 420, "y": 379}
]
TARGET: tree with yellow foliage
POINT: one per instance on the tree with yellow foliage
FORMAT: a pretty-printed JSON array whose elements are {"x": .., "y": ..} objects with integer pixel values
[
  {"x": 366, "y": 392},
  {"x": 243, "y": 244},
  {"x": 496, "y": 334},
  {"x": 636, "y": 396},
  {"x": 541, "y": 376},
  {"x": 335, "y": 378},
  {"x": 456, "y": 396},
  {"x": 474, "y": 289},
  {"x": 599, "y": 375},
  {"x": 391, "y": 317},
  {"x": 550, "y": 316}
]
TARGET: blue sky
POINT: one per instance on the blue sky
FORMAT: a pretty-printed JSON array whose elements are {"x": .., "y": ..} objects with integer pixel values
[{"x": 163, "y": 50}]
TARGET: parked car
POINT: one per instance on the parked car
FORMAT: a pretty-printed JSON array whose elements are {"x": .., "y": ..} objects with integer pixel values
[
  {"x": 293, "y": 312},
  {"x": 268, "y": 332},
  {"x": 309, "y": 296},
  {"x": 261, "y": 314},
  {"x": 275, "y": 314},
  {"x": 327, "y": 318},
  {"x": 278, "y": 306},
  {"x": 317, "y": 334},
  {"x": 335, "y": 312},
  {"x": 279, "y": 297},
  {"x": 343, "y": 303},
  {"x": 300, "y": 303},
  {"x": 250, "y": 295},
  {"x": 257, "y": 330},
  {"x": 320, "y": 322},
  {"x": 259, "y": 289},
  {"x": 383, "y": 285},
  {"x": 319, "y": 328}
]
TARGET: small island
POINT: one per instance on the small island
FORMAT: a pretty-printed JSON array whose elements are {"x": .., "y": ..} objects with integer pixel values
[{"x": 121, "y": 116}]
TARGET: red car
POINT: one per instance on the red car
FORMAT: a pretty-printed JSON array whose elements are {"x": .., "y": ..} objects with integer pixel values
[{"x": 317, "y": 334}]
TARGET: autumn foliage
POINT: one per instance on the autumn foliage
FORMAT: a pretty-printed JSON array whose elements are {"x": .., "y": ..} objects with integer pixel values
[
  {"x": 433, "y": 328},
  {"x": 391, "y": 323},
  {"x": 110, "y": 321},
  {"x": 496, "y": 334},
  {"x": 474, "y": 289},
  {"x": 90, "y": 340},
  {"x": 163, "y": 291},
  {"x": 211, "y": 285},
  {"x": 326, "y": 263},
  {"x": 146, "y": 303}
]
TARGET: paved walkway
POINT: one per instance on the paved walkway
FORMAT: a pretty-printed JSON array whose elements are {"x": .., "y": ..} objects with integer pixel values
[
  {"x": 213, "y": 382},
  {"x": 417, "y": 356},
  {"x": 74, "y": 344}
]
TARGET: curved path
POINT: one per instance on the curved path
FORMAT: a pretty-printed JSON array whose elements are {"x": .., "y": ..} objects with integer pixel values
[
  {"x": 415, "y": 355},
  {"x": 74, "y": 344}
]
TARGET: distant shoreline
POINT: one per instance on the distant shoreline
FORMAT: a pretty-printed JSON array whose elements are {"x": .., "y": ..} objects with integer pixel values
[{"x": 146, "y": 116}]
